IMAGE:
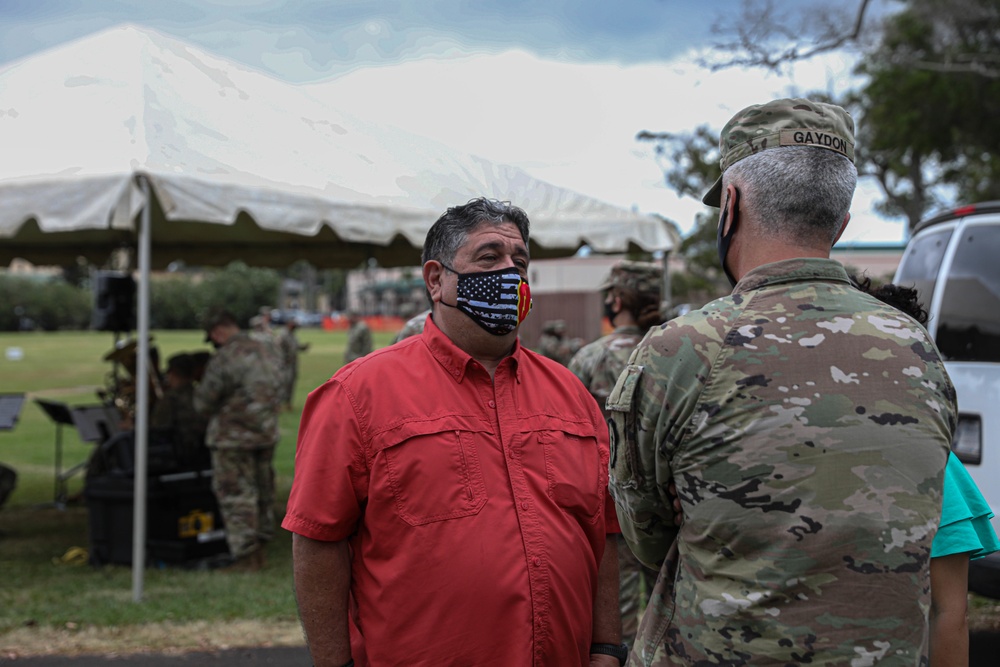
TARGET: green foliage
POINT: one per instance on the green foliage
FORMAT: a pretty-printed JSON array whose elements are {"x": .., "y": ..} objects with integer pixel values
[
  {"x": 927, "y": 115},
  {"x": 48, "y": 304},
  {"x": 175, "y": 302},
  {"x": 240, "y": 289}
]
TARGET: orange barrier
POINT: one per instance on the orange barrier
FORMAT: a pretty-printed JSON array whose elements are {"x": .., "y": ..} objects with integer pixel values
[{"x": 381, "y": 323}]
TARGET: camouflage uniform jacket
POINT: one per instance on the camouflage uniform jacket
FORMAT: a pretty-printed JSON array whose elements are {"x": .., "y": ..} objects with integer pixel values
[
  {"x": 599, "y": 364},
  {"x": 288, "y": 343},
  {"x": 240, "y": 393},
  {"x": 359, "y": 342},
  {"x": 273, "y": 339},
  {"x": 806, "y": 426}
]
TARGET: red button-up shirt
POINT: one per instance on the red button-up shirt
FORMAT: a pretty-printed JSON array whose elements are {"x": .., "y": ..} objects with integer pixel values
[{"x": 476, "y": 509}]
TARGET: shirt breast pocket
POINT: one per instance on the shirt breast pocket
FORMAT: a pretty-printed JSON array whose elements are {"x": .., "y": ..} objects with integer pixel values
[
  {"x": 573, "y": 471},
  {"x": 435, "y": 476}
]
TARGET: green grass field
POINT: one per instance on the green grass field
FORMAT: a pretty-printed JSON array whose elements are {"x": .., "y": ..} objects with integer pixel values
[{"x": 38, "y": 591}]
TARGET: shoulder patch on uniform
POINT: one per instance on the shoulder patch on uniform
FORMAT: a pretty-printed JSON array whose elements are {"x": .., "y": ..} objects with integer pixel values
[{"x": 623, "y": 395}]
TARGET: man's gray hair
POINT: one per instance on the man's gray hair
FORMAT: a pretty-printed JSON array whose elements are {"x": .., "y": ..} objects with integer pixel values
[
  {"x": 797, "y": 193},
  {"x": 452, "y": 229}
]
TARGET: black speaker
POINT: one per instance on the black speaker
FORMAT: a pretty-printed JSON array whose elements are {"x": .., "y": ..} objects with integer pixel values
[{"x": 114, "y": 302}]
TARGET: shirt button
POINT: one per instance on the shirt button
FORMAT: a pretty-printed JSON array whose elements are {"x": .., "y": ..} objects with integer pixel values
[
  {"x": 536, "y": 561},
  {"x": 492, "y": 404},
  {"x": 524, "y": 505}
]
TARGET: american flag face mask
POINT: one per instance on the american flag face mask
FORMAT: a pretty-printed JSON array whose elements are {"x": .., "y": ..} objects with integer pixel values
[{"x": 498, "y": 301}]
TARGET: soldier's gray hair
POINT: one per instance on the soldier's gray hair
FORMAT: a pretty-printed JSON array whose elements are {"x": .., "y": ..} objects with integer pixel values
[
  {"x": 797, "y": 193},
  {"x": 452, "y": 229}
]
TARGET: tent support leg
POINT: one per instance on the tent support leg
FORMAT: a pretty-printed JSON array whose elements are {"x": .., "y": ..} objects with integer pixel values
[{"x": 142, "y": 397}]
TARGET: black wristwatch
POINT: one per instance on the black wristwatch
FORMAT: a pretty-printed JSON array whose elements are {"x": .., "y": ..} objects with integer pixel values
[{"x": 619, "y": 651}]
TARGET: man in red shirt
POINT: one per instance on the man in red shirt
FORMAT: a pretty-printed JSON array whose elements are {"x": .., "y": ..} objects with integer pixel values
[{"x": 449, "y": 503}]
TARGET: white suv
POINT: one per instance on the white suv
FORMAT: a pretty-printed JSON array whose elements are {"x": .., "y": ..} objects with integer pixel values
[{"x": 953, "y": 260}]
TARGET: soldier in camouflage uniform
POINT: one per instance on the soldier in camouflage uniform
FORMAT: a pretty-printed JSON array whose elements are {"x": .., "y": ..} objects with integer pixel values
[
  {"x": 804, "y": 424},
  {"x": 413, "y": 326},
  {"x": 261, "y": 329},
  {"x": 241, "y": 393},
  {"x": 632, "y": 305},
  {"x": 290, "y": 348},
  {"x": 359, "y": 338},
  {"x": 554, "y": 344}
]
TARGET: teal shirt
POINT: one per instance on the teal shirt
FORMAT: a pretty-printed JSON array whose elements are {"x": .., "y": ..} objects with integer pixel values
[{"x": 965, "y": 517}]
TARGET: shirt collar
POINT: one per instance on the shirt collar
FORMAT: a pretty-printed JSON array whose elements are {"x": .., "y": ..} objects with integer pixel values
[
  {"x": 792, "y": 270},
  {"x": 457, "y": 361}
]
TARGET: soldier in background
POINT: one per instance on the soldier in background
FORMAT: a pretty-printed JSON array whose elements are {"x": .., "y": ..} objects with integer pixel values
[
  {"x": 554, "y": 344},
  {"x": 262, "y": 331},
  {"x": 413, "y": 326},
  {"x": 359, "y": 338},
  {"x": 632, "y": 305},
  {"x": 290, "y": 348},
  {"x": 240, "y": 394}
]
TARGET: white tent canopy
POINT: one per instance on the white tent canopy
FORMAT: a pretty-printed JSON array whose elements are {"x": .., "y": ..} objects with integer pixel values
[
  {"x": 276, "y": 174},
  {"x": 128, "y": 138}
]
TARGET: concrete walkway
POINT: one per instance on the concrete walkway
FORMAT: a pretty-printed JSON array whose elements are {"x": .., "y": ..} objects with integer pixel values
[{"x": 255, "y": 657}]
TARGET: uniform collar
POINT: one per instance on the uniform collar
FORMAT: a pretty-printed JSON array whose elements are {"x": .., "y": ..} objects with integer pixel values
[{"x": 806, "y": 269}]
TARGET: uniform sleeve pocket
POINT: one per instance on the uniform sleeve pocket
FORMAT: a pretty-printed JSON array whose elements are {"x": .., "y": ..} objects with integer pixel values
[
  {"x": 622, "y": 426},
  {"x": 623, "y": 394}
]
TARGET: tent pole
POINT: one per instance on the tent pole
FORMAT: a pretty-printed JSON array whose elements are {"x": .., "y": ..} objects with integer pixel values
[{"x": 142, "y": 397}]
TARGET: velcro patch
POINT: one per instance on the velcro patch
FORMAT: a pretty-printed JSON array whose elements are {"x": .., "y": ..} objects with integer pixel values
[{"x": 819, "y": 139}]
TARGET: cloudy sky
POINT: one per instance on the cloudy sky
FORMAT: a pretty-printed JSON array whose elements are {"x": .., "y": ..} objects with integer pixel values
[{"x": 558, "y": 87}]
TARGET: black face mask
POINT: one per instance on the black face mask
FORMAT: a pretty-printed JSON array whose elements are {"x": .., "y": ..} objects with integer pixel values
[
  {"x": 609, "y": 312},
  {"x": 723, "y": 241}
]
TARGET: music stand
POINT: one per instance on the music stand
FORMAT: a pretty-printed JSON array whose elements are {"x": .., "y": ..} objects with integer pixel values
[
  {"x": 95, "y": 423},
  {"x": 60, "y": 414},
  {"x": 10, "y": 410}
]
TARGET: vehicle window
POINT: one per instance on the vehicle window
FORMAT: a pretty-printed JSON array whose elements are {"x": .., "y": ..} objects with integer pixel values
[
  {"x": 969, "y": 321},
  {"x": 922, "y": 261}
]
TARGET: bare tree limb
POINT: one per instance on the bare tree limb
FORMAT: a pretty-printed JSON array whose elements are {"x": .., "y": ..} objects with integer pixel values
[{"x": 756, "y": 30}]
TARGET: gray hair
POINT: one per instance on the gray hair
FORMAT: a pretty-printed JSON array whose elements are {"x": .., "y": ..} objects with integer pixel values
[
  {"x": 452, "y": 229},
  {"x": 795, "y": 192}
]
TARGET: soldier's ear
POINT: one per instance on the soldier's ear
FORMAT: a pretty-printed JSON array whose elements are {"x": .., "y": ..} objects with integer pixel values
[{"x": 847, "y": 219}]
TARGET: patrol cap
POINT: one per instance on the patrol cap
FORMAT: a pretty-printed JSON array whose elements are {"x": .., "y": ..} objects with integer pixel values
[
  {"x": 216, "y": 318},
  {"x": 784, "y": 122},
  {"x": 641, "y": 277}
]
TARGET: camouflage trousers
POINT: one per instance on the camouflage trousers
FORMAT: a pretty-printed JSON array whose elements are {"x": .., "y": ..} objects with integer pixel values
[
  {"x": 635, "y": 584},
  {"x": 243, "y": 482}
]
